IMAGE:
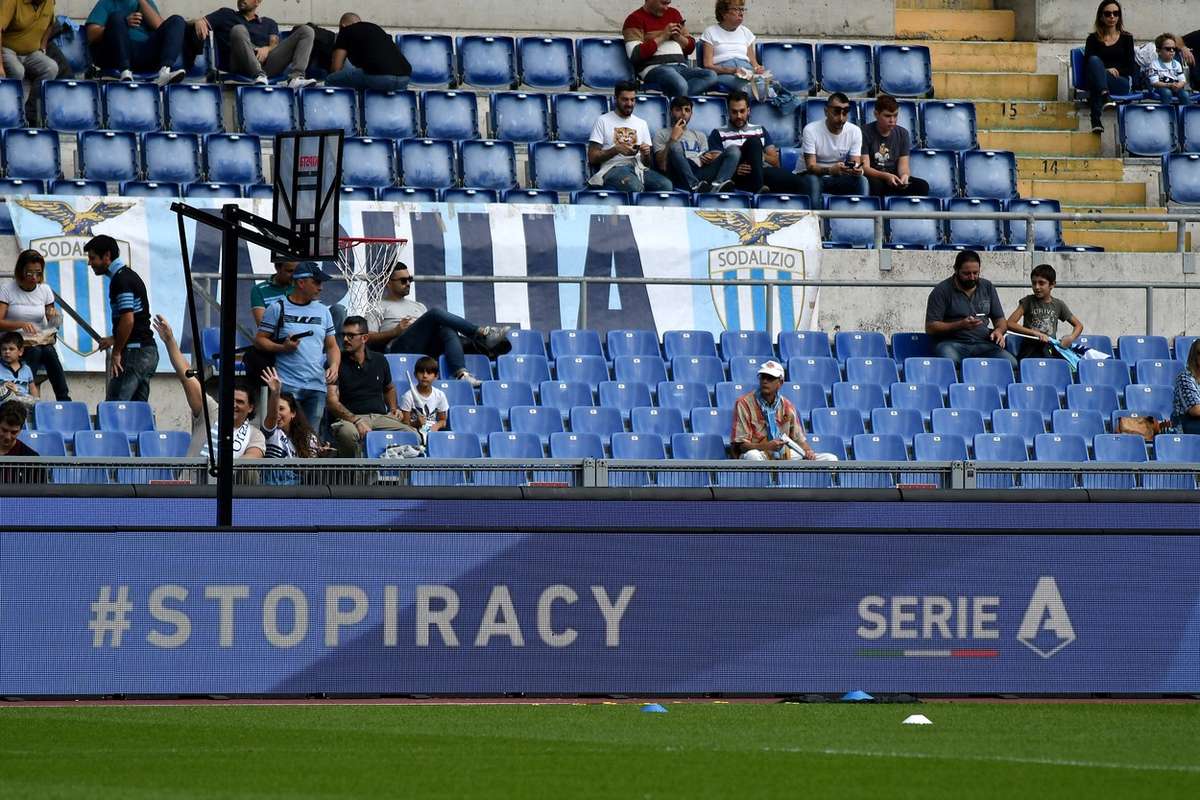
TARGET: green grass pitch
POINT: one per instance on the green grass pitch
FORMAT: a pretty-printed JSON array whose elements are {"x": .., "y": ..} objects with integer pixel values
[{"x": 695, "y": 750}]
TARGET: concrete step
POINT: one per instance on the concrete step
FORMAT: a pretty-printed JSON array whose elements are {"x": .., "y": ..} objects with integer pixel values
[
  {"x": 950, "y": 25},
  {"x": 994, "y": 86},
  {"x": 1070, "y": 168},
  {"x": 1127, "y": 226},
  {"x": 1042, "y": 143},
  {"x": 1126, "y": 241},
  {"x": 983, "y": 56},
  {"x": 1081, "y": 192},
  {"x": 952, "y": 5},
  {"x": 1026, "y": 115}
]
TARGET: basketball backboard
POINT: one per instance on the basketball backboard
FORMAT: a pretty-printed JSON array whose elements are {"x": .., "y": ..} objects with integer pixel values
[{"x": 308, "y": 182}]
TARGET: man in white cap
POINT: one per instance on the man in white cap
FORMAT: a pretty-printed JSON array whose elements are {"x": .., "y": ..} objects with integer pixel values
[{"x": 765, "y": 424}]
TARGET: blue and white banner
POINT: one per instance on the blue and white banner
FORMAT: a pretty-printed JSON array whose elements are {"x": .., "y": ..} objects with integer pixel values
[
  {"x": 475, "y": 612},
  {"x": 513, "y": 240}
]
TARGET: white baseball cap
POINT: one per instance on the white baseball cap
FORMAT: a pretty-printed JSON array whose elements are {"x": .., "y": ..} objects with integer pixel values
[{"x": 772, "y": 368}]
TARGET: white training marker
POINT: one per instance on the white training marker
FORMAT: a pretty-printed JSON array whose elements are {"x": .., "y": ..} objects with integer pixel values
[{"x": 917, "y": 719}]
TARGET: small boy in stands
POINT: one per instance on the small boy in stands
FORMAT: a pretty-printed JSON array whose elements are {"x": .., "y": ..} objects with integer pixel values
[
  {"x": 1041, "y": 314},
  {"x": 424, "y": 406},
  {"x": 15, "y": 375}
]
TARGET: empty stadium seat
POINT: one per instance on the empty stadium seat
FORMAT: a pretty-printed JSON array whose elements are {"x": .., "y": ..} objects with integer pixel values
[
  {"x": 1151, "y": 399},
  {"x": 631, "y": 342},
  {"x": 564, "y": 395},
  {"x": 665, "y": 422},
  {"x": 984, "y": 398},
  {"x": 707, "y": 370},
  {"x": 391, "y": 115},
  {"x": 923, "y": 397},
  {"x": 964, "y": 422},
  {"x": 479, "y": 420},
  {"x": 625, "y": 395},
  {"x": 575, "y": 115},
  {"x": 171, "y": 157},
  {"x": 107, "y": 156},
  {"x": 1097, "y": 341},
  {"x": 196, "y": 108},
  {"x": 845, "y": 68},
  {"x": 487, "y": 61},
  {"x": 976, "y": 234},
  {"x": 427, "y": 163},
  {"x": 904, "y": 70},
  {"x": 12, "y": 107},
  {"x": 222, "y": 191},
  {"x": 1174, "y": 448},
  {"x": 989, "y": 173},
  {"x": 1135, "y": 348},
  {"x": 368, "y": 162},
  {"x": 529, "y": 196},
  {"x": 602, "y": 62},
  {"x": 558, "y": 166},
  {"x": 859, "y": 344},
  {"x": 1095, "y": 398},
  {"x": 918, "y": 233},
  {"x": 1047, "y": 233},
  {"x": 715, "y": 421},
  {"x": 68, "y": 186},
  {"x": 786, "y": 202},
  {"x": 514, "y": 445},
  {"x": 520, "y": 116},
  {"x": 995, "y": 371},
  {"x": 936, "y": 371},
  {"x": 265, "y": 110},
  {"x": 1087, "y": 424},
  {"x": 98, "y": 445},
  {"x": 939, "y": 168},
  {"x": 1053, "y": 372},
  {"x": 903, "y": 422},
  {"x": 459, "y": 393},
  {"x": 599, "y": 197},
  {"x": 526, "y": 341},
  {"x": 722, "y": 200},
  {"x": 1160, "y": 371},
  {"x": 448, "y": 114},
  {"x": 546, "y": 62},
  {"x": 71, "y": 105},
  {"x": 31, "y": 154},
  {"x": 814, "y": 369},
  {"x": 804, "y": 396},
  {"x": 506, "y": 394},
  {"x": 874, "y": 369},
  {"x": 727, "y": 393},
  {"x": 135, "y": 107},
  {"x": 348, "y": 193},
  {"x": 948, "y": 125},
  {"x": 940, "y": 447},
  {"x": 581, "y": 342},
  {"x": 688, "y": 343},
  {"x": 236, "y": 158},
  {"x": 746, "y": 343},
  {"x": 1147, "y": 129},
  {"x": 708, "y": 113},
  {"x": 848, "y": 232},
  {"x": 1033, "y": 397},
  {"x": 1181, "y": 177},
  {"x": 535, "y": 419},
  {"x": 125, "y": 416},
  {"x": 635, "y": 447},
  {"x": 653, "y": 108},
  {"x": 803, "y": 343},
  {"x": 998, "y": 448},
  {"x": 602, "y": 421},
  {"x": 65, "y": 417},
  {"x": 682, "y": 395},
  {"x": 459, "y": 195},
  {"x": 1026, "y": 423},
  {"x": 488, "y": 164},
  {"x": 451, "y": 446},
  {"x": 783, "y": 126},
  {"x": 152, "y": 189},
  {"x": 431, "y": 57},
  {"x": 698, "y": 447},
  {"x": 527, "y": 367},
  {"x": 791, "y": 63},
  {"x": 162, "y": 444},
  {"x": 1110, "y": 372},
  {"x": 1189, "y": 129},
  {"x": 1124, "y": 448},
  {"x": 844, "y": 423},
  {"x": 874, "y": 447},
  {"x": 575, "y": 445},
  {"x": 1056, "y": 447},
  {"x": 662, "y": 199}
]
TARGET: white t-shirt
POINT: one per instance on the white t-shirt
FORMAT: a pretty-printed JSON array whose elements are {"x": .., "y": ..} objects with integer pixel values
[
  {"x": 427, "y": 406},
  {"x": 728, "y": 45},
  {"x": 26, "y": 306},
  {"x": 827, "y": 147},
  {"x": 390, "y": 312},
  {"x": 245, "y": 436},
  {"x": 611, "y": 128}
]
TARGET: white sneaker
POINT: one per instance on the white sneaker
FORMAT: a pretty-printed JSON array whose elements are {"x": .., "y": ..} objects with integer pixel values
[
  {"x": 469, "y": 378},
  {"x": 166, "y": 76},
  {"x": 261, "y": 80},
  {"x": 300, "y": 82},
  {"x": 127, "y": 75}
]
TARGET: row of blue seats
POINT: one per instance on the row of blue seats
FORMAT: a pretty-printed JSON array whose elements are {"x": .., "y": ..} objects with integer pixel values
[
  {"x": 108, "y": 443},
  {"x": 1152, "y": 129}
]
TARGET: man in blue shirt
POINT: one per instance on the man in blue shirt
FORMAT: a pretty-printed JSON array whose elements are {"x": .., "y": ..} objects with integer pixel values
[
  {"x": 130, "y": 35},
  {"x": 134, "y": 352},
  {"x": 249, "y": 45},
  {"x": 307, "y": 332}
]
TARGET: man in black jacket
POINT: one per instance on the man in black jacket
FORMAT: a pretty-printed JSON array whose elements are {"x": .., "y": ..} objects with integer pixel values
[{"x": 366, "y": 57}]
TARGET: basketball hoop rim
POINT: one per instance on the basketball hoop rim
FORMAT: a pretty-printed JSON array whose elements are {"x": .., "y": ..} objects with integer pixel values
[{"x": 350, "y": 241}]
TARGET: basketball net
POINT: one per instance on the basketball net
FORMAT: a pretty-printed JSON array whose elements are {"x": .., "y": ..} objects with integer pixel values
[{"x": 366, "y": 264}]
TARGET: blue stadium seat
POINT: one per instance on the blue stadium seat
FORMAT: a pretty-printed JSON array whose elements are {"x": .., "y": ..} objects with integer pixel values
[
  {"x": 744, "y": 369},
  {"x": 791, "y": 63},
  {"x": 1181, "y": 177},
  {"x": 152, "y": 189},
  {"x": 708, "y": 113},
  {"x": 940, "y": 447},
  {"x": 527, "y": 341},
  {"x": 68, "y": 186},
  {"x": 785, "y": 202},
  {"x": 487, "y": 62},
  {"x": 427, "y": 163},
  {"x": 31, "y": 154},
  {"x": 348, "y": 193},
  {"x": 488, "y": 164},
  {"x": 803, "y": 343},
  {"x": 903, "y": 70},
  {"x": 196, "y": 107},
  {"x": 564, "y": 395},
  {"x": 368, "y": 162},
  {"x": 459, "y": 195},
  {"x": 1087, "y": 424},
  {"x": 873, "y": 369},
  {"x": 665, "y": 422},
  {"x": 401, "y": 366},
  {"x": 1055, "y": 447},
  {"x": 599, "y": 197},
  {"x": 602, "y": 421},
  {"x": 171, "y": 157},
  {"x": 125, "y": 416},
  {"x": 625, "y": 395},
  {"x": 913, "y": 233},
  {"x": 814, "y": 369},
  {"x": 449, "y": 114},
  {"x": 727, "y": 392},
  {"x": 602, "y": 62},
  {"x": 994, "y": 371},
  {"x": 514, "y": 445},
  {"x": 458, "y": 393},
  {"x": 635, "y": 447},
  {"x": 452, "y": 446},
  {"x": 558, "y": 166},
  {"x": 923, "y": 397},
  {"x": 98, "y": 445},
  {"x": 1189, "y": 129},
  {"x": 989, "y": 173},
  {"x": 977, "y": 234},
  {"x": 948, "y": 126},
  {"x": 715, "y": 421},
  {"x": 707, "y": 370},
  {"x": 12, "y": 107},
  {"x": 874, "y": 447},
  {"x": 162, "y": 444},
  {"x": 964, "y": 422},
  {"x": 408, "y": 194},
  {"x": 1049, "y": 372},
  {"x": 1047, "y": 233},
  {"x": 653, "y": 108},
  {"x": 859, "y": 344},
  {"x": 71, "y": 105},
  {"x": 804, "y": 396},
  {"x": 1182, "y": 345},
  {"x": 1147, "y": 129},
  {"x": 999, "y": 448},
  {"x": 547, "y": 62},
  {"x": 1097, "y": 341},
  {"x": 520, "y": 116},
  {"x": 532, "y": 369},
  {"x": 1034, "y": 397},
  {"x": 1135, "y": 348},
  {"x": 529, "y": 196},
  {"x": 505, "y": 395},
  {"x": 662, "y": 199},
  {"x": 746, "y": 343},
  {"x": 576, "y": 445},
  {"x": 984, "y": 398},
  {"x": 682, "y": 395},
  {"x": 1026, "y": 423},
  {"x": 903, "y": 422},
  {"x": 936, "y": 371},
  {"x": 107, "y": 155},
  {"x": 698, "y": 447},
  {"x": 828, "y": 444},
  {"x": 535, "y": 419},
  {"x": 65, "y": 417},
  {"x": 379, "y": 441},
  {"x": 391, "y": 115},
  {"x": 479, "y": 420},
  {"x": 222, "y": 191},
  {"x": 851, "y": 232},
  {"x": 582, "y": 342},
  {"x": 265, "y": 110},
  {"x": 688, "y": 343},
  {"x": 575, "y": 115},
  {"x": 937, "y": 167},
  {"x": 1173, "y": 448},
  {"x": 1122, "y": 448},
  {"x": 1153, "y": 399},
  {"x": 1161, "y": 371},
  {"x": 845, "y": 423},
  {"x": 1093, "y": 398},
  {"x": 135, "y": 107},
  {"x": 329, "y": 108},
  {"x": 783, "y": 126},
  {"x": 911, "y": 344},
  {"x": 235, "y": 158},
  {"x": 845, "y": 68},
  {"x": 632, "y": 342},
  {"x": 1110, "y": 372},
  {"x": 722, "y": 200},
  {"x": 431, "y": 57}
]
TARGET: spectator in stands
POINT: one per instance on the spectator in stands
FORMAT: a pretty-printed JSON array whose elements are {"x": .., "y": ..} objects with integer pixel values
[
  {"x": 682, "y": 154},
  {"x": 424, "y": 405},
  {"x": 885, "y": 148},
  {"x": 129, "y": 35},
  {"x": 249, "y": 44},
  {"x": 957, "y": 313},
  {"x": 658, "y": 44},
  {"x": 25, "y": 27},
  {"x": 375, "y": 60},
  {"x": 134, "y": 357},
  {"x": 12, "y": 420},
  {"x": 16, "y": 379},
  {"x": 248, "y": 440},
  {"x": 758, "y": 167},
  {"x": 1188, "y": 44},
  {"x": 273, "y": 288},
  {"x": 286, "y": 431},
  {"x": 402, "y": 325},
  {"x": 1108, "y": 59},
  {"x": 1164, "y": 74},
  {"x": 364, "y": 397},
  {"x": 307, "y": 331},
  {"x": 730, "y": 53},
  {"x": 766, "y": 425},
  {"x": 832, "y": 148},
  {"x": 619, "y": 148},
  {"x": 1185, "y": 409},
  {"x": 1042, "y": 314},
  {"x": 27, "y": 306}
]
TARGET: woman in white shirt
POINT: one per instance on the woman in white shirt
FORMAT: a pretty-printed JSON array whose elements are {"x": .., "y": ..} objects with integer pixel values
[
  {"x": 730, "y": 50},
  {"x": 287, "y": 431},
  {"x": 27, "y": 306}
]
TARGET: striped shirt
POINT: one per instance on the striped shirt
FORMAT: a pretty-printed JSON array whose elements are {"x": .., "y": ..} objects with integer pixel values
[
  {"x": 750, "y": 426},
  {"x": 127, "y": 294}
]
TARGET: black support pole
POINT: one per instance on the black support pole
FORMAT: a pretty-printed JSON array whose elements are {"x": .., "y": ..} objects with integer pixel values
[{"x": 229, "y": 291}]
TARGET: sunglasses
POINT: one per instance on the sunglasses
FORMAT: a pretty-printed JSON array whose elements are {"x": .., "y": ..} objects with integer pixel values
[
  {"x": 1110, "y": 13},
  {"x": 403, "y": 280},
  {"x": 839, "y": 110},
  {"x": 1169, "y": 49},
  {"x": 351, "y": 334}
]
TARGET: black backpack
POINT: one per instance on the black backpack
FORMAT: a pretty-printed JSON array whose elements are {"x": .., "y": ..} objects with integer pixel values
[{"x": 322, "y": 50}]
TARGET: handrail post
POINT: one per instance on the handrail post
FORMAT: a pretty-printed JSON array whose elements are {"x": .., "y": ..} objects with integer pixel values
[
  {"x": 1180, "y": 235},
  {"x": 1149, "y": 310},
  {"x": 1030, "y": 233},
  {"x": 878, "y": 222},
  {"x": 583, "y": 301},
  {"x": 770, "y": 290}
]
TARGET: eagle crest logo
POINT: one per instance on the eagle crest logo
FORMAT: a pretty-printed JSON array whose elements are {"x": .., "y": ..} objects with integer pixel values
[
  {"x": 749, "y": 231},
  {"x": 75, "y": 223}
]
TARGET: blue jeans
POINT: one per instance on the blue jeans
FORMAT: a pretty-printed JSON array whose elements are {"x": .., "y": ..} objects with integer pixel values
[
  {"x": 311, "y": 402},
  {"x": 817, "y": 185},
  {"x": 956, "y": 351},
  {"x": 625, "y": 179},
  {"x": 355, "y": 78},
  {"x": 1166, "y": 95},
  {"x": 45, "y": 357},
  {"x": 684, "y": 174},
  {"x": 435, "y": 333},
  {"x": 138, "y": 366},
  {"x": 116, "y": 50},
  {"x": 1102, "y": 84},
  {"x": 676, "y": 79}
]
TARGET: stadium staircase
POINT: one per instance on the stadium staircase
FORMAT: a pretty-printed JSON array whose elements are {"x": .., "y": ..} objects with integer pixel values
[{"x": 975, "y": 57}]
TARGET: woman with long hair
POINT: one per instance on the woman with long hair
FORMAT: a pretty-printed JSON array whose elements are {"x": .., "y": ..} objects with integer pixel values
[
  {"x": 287, "y": 430},
  {"x": 1185, "y": 410},
  {"x": 1108, "y": 59},
  {"x": 27, "y": 307}
]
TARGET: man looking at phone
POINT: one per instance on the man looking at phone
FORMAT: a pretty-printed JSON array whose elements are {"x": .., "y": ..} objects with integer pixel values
[
  {"x": 682, "y": 154},
  {"x": 957, "y": 314},
  {"x": 832, "y": 148},
  {"x": 658, "y": 45},
  {"x": 305, "y": 334}
]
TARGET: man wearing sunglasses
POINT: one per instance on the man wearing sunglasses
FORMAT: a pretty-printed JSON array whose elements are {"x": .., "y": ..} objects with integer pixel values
[
  {"x": 403, "y": 325},
  {"x": 832, "y": 148},
  {"x": 364, "y": 397}
]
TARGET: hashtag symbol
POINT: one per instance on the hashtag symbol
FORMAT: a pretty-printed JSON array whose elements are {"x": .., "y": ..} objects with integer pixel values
[{"x": 110, "y": 616}]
